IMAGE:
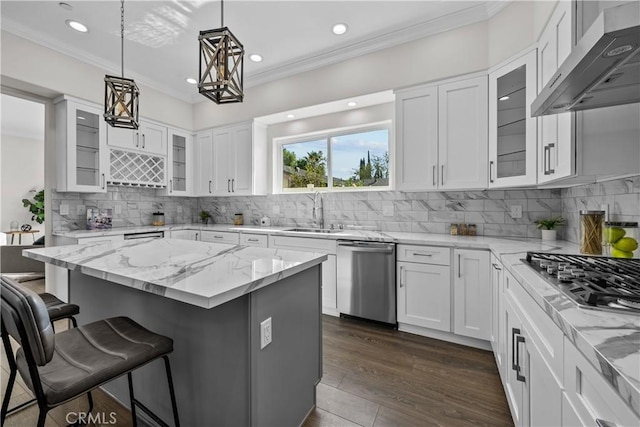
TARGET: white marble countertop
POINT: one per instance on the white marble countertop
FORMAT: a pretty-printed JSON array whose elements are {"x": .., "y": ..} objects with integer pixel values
[
  {"x": 611, "y": 341},
  {"x": 199, "y": 273}
]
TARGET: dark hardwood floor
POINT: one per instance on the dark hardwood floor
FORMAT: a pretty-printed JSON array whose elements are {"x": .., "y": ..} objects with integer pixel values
[{"x": 373, "y": 376}]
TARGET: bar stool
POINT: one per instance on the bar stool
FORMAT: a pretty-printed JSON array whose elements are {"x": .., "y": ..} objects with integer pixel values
[
  {"x": 58, "y": 368},
  {"x": 57, "y": 310}
]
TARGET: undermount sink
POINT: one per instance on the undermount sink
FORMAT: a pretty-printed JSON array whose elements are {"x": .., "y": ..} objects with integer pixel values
[{"x": 313, "y": 230}]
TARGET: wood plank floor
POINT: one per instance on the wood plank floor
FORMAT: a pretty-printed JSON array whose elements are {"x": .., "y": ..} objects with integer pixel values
[{"x": 373, "y": 377}]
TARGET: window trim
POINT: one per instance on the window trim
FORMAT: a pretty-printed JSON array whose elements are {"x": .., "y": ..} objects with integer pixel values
[{"x": 327, "y": 134}]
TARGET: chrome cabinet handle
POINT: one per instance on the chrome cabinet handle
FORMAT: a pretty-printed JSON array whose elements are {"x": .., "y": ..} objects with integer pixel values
[
  {"x": 218, "y": 237},
  {"x": 552, "y": 145},
  {"x": 419, "y": 254},
  {"x": 103, "y": 181},
  {"x": 514, "y": 332},
  {"x": 545, "y": 158},
  {"x": 209, "y": 186},
  {"x": 519, "y": 340},
  {"x": 433, "y": 175},
  {"x": 144, "y": 140},
  {"x": 491, "y": 171},
  {"x": 459, "y": 265},
  {"x": 170, "y": 186},
  {"x": 137, "y": 139},
  {"x": 401, "y": 276},
  {"x": 253, "y": 240},
  {"x": 228, "y": 186},
  {"x": 496, "y": 267},
  {"x": 197, "y": 236},
  {"x": 233, "y": 185},
  {"x": 442, "y": 176}
]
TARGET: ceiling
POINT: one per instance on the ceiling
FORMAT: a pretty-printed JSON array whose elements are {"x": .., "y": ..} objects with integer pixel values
[
  {"x": 161, "y": 47},
  {"x": 22, "y": 118}
]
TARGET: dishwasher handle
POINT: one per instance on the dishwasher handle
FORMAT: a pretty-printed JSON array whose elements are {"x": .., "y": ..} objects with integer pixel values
[{"x": 376, "y": 247}]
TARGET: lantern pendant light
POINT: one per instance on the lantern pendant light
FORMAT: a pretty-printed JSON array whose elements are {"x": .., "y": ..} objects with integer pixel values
[
  {"x": 221, "y": 64},
  {"x": 120, "y": 94}
]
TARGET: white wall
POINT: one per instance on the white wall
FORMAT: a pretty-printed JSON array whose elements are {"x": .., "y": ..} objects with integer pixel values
[{"x": 22, "y": 170}]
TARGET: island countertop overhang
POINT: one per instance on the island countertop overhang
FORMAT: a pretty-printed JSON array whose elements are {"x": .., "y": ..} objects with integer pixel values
[{"x": 197, "y": 273}]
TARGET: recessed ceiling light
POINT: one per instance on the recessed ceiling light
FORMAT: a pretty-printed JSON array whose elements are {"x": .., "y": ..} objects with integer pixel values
[
  {"x": 340, "y": 29},
  {"x": 78, "y": 26},
  {"x": 255, "y": 57},
  {"x": 504, "y": 98},
  {"x": 65, "y": 6},
  {"x": 191, "y": 80},
  {"x": 351, "y": 104},
  {"x": 290, "y": 116}
]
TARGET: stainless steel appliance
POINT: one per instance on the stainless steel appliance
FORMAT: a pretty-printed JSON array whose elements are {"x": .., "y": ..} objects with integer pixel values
[
  {"x": 592, "y": 281},
  {"x": 367, "y": 280},
  {"x": 602, "y": 70},
  {"x": 150, "y": 234}
]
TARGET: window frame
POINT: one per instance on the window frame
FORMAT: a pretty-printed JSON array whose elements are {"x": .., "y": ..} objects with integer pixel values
[{"x": 327, "y": 135}]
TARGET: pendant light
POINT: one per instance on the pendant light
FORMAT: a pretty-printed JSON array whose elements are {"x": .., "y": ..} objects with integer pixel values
[
  {"x": 221, "y": 64},
  {"x": 120, "y": 94}
]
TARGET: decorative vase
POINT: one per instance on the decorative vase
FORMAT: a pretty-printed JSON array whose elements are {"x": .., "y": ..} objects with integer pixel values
[{"x": 548, "y": 234}]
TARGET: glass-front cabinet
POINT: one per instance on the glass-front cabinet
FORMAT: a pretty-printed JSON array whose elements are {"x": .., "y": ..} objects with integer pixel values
[
  {"x": 512, "y": 130},
  {"x": 179, "y": 163},
  {"x": 82, "y": 157}
]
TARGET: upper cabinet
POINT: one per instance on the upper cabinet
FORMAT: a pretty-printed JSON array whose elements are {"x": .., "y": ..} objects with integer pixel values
[
  {"x": 232, "y": 160},
  {"x": 149, "y": 138},
  {"x": 179, "y": 163},
  {"x": 82, "y": 158},
  {"x": 512, "y": 130},
  {"x": 556, "y": 143},
  {"x": 442, "y": 136}
]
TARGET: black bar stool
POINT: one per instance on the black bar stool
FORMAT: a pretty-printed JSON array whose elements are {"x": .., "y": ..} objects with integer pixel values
[{"x": 60, "y": 367}]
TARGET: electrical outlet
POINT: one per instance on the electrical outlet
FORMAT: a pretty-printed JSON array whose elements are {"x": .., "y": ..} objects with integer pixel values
[
  {"x": 265, "y": 333},
  {"x": 275, "y": 209},
  {"x": 388, "y": 210},
  {"x": 516, "y": 211},
  {"x": 605, "y": 208},
  {"x": 64, "y": 209},
  {"x": 81, "y": 210}
]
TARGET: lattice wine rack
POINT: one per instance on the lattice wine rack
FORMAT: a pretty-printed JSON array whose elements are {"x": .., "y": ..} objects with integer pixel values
[{"x": 136, "y": 169}]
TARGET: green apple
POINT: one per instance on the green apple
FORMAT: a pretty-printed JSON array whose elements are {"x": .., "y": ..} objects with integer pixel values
[
  {"x": 613, "y": 234},
  {"x": 626, "y": 244},
  {"x": 617, "y": 253}
]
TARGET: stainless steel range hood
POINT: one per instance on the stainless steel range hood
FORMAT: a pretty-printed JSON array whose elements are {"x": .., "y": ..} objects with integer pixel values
[{"x": 602, "y": 70}]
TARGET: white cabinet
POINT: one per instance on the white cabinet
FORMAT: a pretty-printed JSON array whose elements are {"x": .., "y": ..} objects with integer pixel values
[
  {"x": 227, "y": 237},
  {"x": 462, "y": 134},
  {"x": 204, "y": 163},
  {"x": 556, "y": 136},
  {"x": 514, "y": 375},
  {"x": 424, "y": 286},
  {"x": 442, "y": 136},
  {"x": 82, "y": 158},
  {"x": 185, "y": 234},
  {"x": 149, "y": 138},
  {"x": 329, "y": 267},
  {"x": 496, "y": 336},
  {"x": 512, "y": 130},
  {"x": 179, "y": 164},
  {"x": 471, "y": 293},
  {"x": 239, "y": 160},
  {"x": 253, "y": 239}
]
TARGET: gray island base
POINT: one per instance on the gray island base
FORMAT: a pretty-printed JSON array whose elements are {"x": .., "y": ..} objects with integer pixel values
[{"x": 222, "y": 377}]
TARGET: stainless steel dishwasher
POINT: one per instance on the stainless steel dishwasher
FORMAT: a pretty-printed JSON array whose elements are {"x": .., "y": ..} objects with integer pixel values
[{"x": 367, "y": 280}]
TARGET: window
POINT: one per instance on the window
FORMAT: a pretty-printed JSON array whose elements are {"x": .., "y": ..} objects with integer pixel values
[{"x": 347, "y": 160}]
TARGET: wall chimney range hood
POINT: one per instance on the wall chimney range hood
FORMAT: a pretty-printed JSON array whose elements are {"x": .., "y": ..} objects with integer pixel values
[{"x": 602, "y": 70}]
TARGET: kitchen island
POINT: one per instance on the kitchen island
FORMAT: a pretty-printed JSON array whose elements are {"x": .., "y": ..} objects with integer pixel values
[{"x": 211, "y": 299}]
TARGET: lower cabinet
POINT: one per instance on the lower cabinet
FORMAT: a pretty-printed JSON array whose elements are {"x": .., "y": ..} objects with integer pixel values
[
  {"x": 227, "y": 237},
  {"x": 471, "y": 293},
  {"x": 252, "y": 239},
  {"x": 185, "y": 234},
  {"x": 496, "y": 335}
]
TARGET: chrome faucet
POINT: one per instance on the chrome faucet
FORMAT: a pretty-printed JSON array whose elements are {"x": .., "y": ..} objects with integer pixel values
[{"x": 315, "y": 197}]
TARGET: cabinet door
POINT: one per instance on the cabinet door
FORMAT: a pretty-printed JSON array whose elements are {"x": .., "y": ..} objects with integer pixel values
[
  {"x": 204, "y": 164},
  {"x": 329, "y": 284},
  {"x": 222, "y": 141},
  {"x": 462, "y": 134},
  {"x": 512, "y": 130},
  {"x": 185, "y": 234},
  {"x": 495, "y": 309},
  {"x": 543, "y": 394},
  {"x": 514, "y": 387},
  {"x": 242, "y": 161},
  {"x": 556, "y": 137},
  {"x": 152, "y": 138},
  {"x": 83, "y": 155},
  {"x": 417, "y": 139},
  {"x": 220, "y": 237},
  {"x": 471, "y": 293},
  {"x": 179, "y": 163},
  {"x": 123, "y": 138},
  {"x": 424, "y": 295}
]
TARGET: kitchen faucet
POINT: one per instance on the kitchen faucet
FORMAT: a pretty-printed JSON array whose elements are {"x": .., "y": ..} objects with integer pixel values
[{"x": 315, "y": 208}]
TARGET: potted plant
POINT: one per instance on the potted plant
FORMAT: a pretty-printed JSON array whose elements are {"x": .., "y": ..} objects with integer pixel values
[
  {"x": 204, "y": 216},
  {"x": 548, "y": 226},
  {"x": 36, "y": 207}
]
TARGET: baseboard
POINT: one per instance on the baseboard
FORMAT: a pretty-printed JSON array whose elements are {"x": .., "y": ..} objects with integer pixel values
[{"x": 445, "y": 336}]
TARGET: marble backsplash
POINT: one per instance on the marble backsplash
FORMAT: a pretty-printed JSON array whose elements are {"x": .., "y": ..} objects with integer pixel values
[
  {"x": 130, "y": 206},
  {"x": 621, "y": 196}
]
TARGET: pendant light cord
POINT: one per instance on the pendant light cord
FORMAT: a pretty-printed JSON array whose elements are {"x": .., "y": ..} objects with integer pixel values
[{"x": 122, "y": 36}]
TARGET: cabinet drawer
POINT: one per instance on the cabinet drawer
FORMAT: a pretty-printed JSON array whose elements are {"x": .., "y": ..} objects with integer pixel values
[
  {"x": 220, "y": 237},
  {"x": 303, "y": 244},
  {"x": 424, "y": 254},
  {"x": 591, "y": 397},
  {"x": 247, "y": 239}
]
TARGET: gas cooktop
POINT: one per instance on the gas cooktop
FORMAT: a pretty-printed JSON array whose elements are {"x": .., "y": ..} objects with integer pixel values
[{"x": 592, "y": 281}]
